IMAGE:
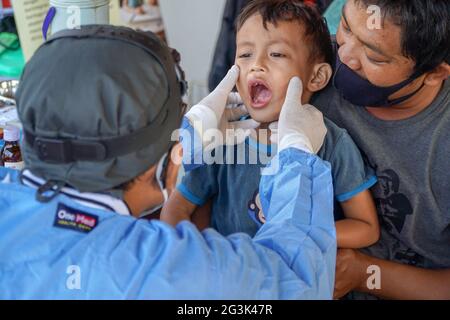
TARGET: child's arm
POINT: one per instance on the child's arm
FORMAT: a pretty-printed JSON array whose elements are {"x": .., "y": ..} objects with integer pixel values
[
  {"x": 202, "y": 216},
  {"x": 177, "y": 208},
  {"x": 360, "y": 227}
]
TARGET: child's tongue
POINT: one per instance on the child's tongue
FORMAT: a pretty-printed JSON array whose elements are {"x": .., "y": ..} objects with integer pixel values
[{"x": 261, "y": 95}]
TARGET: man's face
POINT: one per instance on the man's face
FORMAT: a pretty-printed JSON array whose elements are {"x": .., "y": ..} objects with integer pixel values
[
  {"x": 375, "y": 55},
  {"x": 268, "y": 59}
]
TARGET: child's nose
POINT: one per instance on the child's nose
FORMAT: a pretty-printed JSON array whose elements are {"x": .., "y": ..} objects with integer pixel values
[
  {"x": 259, "y": 64},
  {"x": 257, "y": 68}
]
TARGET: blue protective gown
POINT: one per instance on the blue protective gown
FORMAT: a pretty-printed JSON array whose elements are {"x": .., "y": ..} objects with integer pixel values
[{"x": 291, "y": 257}]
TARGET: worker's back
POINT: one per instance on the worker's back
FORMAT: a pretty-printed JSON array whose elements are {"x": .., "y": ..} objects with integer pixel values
[{"x": 64, "y": 250}]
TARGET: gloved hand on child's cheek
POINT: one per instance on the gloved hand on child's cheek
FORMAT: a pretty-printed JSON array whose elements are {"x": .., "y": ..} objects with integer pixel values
[{"x": 215, "y": 121}]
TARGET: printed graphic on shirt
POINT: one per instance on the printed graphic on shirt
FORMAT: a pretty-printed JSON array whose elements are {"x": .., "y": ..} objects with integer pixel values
[
  {"x": 393, "y": 206},
  {"x": 255, "y": 209},
  {"x": 73, "y": 219},
  {"x": 407, "y": 256}
]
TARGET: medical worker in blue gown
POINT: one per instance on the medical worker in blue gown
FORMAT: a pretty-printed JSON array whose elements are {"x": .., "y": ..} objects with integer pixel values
[{"x": 95, "y": 127}]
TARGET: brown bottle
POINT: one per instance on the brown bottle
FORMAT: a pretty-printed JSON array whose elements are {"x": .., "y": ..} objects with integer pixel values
[
  {"x": 11, "y": 156},
  {"x": 2, "y": 143}
]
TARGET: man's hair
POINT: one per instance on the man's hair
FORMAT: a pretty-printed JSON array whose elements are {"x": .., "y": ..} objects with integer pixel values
[
  {"x": 316, "y": 31},
  {"x": 425, "y": 29}
]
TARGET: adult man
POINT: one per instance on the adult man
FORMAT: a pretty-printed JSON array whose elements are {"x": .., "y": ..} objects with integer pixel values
[
  {"x": 392, "y": 69},
  {"x": 94, "y": 131}
]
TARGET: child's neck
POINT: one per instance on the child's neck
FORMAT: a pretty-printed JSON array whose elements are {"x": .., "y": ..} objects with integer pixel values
[{"x": 262, "y": 134}]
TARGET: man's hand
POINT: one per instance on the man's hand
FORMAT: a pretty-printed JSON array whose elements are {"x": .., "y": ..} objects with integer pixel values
[
  {"x": 299, "y": 126},
  {"x": 398, "y": 281},
  {"x": 350, "y": 272}
]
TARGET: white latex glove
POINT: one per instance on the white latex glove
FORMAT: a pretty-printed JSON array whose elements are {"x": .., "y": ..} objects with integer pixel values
[
  {"x": 299, "y": 126},
  {"x": 221, "y": 110}
]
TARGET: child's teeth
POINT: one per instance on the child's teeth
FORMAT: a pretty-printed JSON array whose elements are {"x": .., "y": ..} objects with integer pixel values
[{"x": 261, "y": 94}]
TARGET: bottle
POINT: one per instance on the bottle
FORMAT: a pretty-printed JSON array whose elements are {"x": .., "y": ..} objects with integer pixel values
[
  {"x": 11, "y": 155},
  {"x": 2, "y": 143},
  {"x": 89, "y": 12}
]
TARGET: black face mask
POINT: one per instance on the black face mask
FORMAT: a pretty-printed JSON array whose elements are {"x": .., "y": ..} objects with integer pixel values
[{"x": 361, "y": 92}]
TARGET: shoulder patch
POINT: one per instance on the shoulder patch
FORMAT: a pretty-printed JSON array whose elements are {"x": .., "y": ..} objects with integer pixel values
[{"x": 73, "y": 219}]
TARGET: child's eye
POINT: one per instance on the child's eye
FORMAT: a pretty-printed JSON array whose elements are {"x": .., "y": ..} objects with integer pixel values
[
  {"x": 277, "y": 55},
  {"x": 244, "y": 55}
]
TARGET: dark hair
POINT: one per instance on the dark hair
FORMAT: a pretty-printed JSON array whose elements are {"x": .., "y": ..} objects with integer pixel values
[
  {"x": 315, "y": 27},
  {"x": 425, "y": 29}
]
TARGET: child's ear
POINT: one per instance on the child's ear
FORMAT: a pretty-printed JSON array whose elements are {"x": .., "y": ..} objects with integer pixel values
[{"x": 320, "y": 77}]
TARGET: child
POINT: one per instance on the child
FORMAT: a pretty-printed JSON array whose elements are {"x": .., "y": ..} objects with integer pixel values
[{"x": 277, "y": 40}]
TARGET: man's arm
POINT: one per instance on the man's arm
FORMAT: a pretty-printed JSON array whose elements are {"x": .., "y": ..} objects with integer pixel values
[{"x": 398, "y": 281}]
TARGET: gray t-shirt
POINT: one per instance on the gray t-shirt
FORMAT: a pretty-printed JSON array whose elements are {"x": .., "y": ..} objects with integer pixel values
[{"x": 411, "y": 159}]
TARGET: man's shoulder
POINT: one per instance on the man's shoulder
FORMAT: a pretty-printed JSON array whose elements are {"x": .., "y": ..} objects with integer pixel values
[
  {"x": 328, "y": 98},
  {"x": 445, "y": 96}
]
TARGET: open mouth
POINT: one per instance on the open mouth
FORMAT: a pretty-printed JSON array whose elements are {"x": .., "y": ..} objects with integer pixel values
[{"x": 259, "y": 93}]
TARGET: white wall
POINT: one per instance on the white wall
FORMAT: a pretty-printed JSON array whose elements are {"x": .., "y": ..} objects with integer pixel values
[{"x": 192, "y": 27}]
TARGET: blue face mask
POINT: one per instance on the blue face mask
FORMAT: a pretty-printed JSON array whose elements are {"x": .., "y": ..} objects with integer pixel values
[{"x": 361, "y": 92}]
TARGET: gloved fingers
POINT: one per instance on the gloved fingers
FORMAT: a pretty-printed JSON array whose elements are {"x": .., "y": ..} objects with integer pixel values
[
  {"x": 234, "y": 99},
  {"x": 229, "y": 81},
  {"x": 273, "y": 127},
  {"x": 294, "y": 91},
  {"x": 314, "y": 115},
  {"x": 313, "y": 111},
  {"x": 318, "y": 130},
  {"x": 236, "y": 113},
  {"x": 202, "y": 115},
  {"x": 217, "y": 100}
]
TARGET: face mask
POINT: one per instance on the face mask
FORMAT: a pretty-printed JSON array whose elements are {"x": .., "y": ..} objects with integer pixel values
[
  {"x": 362, "y": 93},
  {"x": 161, "y": 173}
]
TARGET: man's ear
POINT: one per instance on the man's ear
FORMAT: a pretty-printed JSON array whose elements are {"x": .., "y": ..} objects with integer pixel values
[
  {"x": 439, "y": 74},
  {"x": 320, "y": 77},
  {"x": 148, "y": 176}
]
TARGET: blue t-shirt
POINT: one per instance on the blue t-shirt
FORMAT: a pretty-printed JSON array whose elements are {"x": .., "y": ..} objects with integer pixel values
[{"x": 233, "y": 185}]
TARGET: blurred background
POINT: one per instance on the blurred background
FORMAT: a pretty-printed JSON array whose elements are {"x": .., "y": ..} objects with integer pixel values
[
  {"x": 201, "y": 30},
  {"x": 192, "y": 27}
]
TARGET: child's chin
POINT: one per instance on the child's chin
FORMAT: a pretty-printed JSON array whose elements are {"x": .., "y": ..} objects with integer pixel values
[{"x": 263, "y": 115}]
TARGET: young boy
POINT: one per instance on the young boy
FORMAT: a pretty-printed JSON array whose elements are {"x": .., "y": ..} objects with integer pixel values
[{"x": 277, "y": 40}]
